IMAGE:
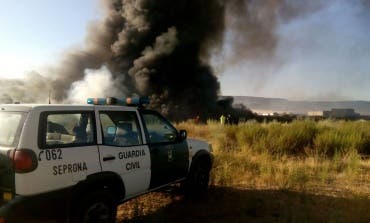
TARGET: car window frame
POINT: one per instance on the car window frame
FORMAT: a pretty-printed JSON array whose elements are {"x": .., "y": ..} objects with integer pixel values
[
  {"x": 137, "y": 121},
  {"x": 43, "y": 129},
  {"x": 146, "y": 111}
]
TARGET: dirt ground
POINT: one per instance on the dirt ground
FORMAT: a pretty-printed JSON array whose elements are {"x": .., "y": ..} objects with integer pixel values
[{"x": 233, "y": 205}]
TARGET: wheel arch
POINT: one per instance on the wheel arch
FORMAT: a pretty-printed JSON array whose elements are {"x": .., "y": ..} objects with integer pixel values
[
  {"x": 202, "y": 156},
  {"x": 103, "y": 180}
]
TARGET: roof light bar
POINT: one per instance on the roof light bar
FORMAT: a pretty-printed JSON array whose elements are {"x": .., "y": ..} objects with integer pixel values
[{"x": 134, "y": 101}]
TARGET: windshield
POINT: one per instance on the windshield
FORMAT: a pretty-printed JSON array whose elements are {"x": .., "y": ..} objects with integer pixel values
[{"x": 9, "y": 128}]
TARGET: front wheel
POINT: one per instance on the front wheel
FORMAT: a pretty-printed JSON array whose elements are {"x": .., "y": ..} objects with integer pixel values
[
  {"x": 96, "y": 207},
  {"x": 198, "y": 180}
]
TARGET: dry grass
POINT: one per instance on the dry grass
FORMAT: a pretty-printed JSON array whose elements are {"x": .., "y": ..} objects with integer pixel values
[
  {"x": 302, "y": 155},
  {"x": 303, "y": 171}
]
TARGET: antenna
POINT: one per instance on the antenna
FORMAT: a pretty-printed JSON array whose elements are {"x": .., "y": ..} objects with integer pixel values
[{"x": 49, "y": 97}]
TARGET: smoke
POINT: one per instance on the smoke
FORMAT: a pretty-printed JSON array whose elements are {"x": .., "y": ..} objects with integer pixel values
[
  {"x": 33, "y": 88},
  {"x": 251, "y": 29},
  {"x": 163, "y": 49},
  {"x": 159, "y": 49},
  {"x": 164, "y": 45},
  {"x": 304, "y": 50},
  {"x": 96, "y": 83}
]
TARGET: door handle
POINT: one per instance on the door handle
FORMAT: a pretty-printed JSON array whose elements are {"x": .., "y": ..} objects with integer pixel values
[{"x": 107, "y": 158}]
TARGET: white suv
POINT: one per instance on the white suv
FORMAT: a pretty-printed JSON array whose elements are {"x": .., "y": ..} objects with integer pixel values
[{"x": 78, "y": 162}]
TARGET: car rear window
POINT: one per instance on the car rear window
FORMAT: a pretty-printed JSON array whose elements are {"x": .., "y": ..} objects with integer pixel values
[{"x": 10, "y": 123}]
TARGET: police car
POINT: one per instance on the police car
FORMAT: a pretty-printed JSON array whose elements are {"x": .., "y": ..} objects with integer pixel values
[{"x": 78, "y": 162}]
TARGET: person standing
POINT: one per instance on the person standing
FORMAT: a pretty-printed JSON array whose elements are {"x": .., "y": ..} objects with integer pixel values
[{"x": 222, "y": 119}]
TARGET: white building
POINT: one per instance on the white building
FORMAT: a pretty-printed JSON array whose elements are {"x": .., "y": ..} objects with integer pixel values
[{"x": 335, "y": 113}]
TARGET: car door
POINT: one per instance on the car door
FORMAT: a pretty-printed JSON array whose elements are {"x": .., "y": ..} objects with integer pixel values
[
  {"x": 122, "y": 149},
  {"x": 169, "y": 155},
  {"x": 67, "y": 150}
]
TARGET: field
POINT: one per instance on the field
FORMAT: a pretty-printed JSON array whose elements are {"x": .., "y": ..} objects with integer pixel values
[{"x": 303, "y": 171}]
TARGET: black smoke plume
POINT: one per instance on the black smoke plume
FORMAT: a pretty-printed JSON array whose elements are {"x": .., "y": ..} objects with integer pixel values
[
  {"x": 156, "y": 48},
  {"x": 163, "y": 48}
]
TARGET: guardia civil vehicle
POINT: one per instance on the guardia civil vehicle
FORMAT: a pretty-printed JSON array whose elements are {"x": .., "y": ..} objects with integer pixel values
[{"x": 76, "y": 163}]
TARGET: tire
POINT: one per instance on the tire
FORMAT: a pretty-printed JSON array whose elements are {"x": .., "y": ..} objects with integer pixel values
[
  {"x": 96, "y": 207},
  {"x": 198, "y": 180}
]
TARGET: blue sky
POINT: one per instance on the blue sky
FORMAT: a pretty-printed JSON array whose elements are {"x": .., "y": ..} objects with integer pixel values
[
  {"x": 320, "y": 56},
  {"x": 35, "y": 33}
]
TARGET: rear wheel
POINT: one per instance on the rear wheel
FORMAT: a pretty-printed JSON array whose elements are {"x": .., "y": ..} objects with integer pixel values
[{"x": 96, "y": 207}]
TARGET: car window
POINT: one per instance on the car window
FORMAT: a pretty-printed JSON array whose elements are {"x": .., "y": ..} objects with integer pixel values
[
  {"x": 159, "y": 129},
  {"x": 10, "y": 123},
  {"x": 69, "y": 129},
  {"x": 120, "y": 128}
]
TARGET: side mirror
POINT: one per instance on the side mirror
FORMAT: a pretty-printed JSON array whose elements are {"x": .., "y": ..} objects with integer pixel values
[{"x": 182, "y": 135}]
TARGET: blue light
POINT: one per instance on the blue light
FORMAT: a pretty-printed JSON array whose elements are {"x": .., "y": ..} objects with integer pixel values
[
  {"x": 96, "y": 101},
  {"x": 134, "y": 101}
]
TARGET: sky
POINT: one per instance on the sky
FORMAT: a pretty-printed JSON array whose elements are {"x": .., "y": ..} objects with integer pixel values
[
  {"x": 323, "y": 55},
  {"x": 35, "y": 33},
  {"x": 320, "y": 56}
]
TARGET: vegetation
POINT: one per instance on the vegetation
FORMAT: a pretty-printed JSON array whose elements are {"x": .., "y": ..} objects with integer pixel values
[
  {"x": 302, "y": 171},
  {"x": 301, "y": 155}
]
